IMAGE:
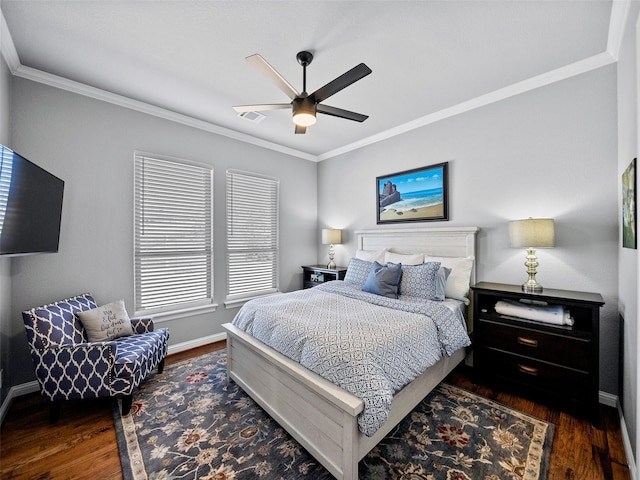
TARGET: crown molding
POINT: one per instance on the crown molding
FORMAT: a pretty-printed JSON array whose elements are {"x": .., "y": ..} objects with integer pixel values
[
  {"x": 143, "y": 107},
  {"x": 619, "y": 13},
  {"x": 7, "y": 47},
  {"x": 617, "y": 22},
  {"x": 12, "y": 59},
  {"x": 577, "y": 68}
]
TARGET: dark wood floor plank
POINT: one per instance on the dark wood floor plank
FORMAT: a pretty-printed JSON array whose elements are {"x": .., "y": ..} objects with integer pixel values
[{"x": 82, "y": 444}]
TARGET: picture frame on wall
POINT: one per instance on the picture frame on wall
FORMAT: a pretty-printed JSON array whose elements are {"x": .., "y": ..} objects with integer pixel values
[
  {"x": 418, "y": 195},
  {"x": 629, "y": 222}
]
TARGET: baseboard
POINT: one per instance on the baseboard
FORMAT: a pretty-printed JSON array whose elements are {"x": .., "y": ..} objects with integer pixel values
[
  {"x": 628, "y": 451},
  {"x": 33, "y": 386},
  {"x": 17, "y": 391},
  {"x": 198, "y": 342},
  {"x": 608, "y": 399}
]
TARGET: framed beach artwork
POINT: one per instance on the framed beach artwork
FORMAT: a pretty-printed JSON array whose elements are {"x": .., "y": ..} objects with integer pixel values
[
  {"x": 419, "y": 195},
  {"x": 629, "y": 238}
]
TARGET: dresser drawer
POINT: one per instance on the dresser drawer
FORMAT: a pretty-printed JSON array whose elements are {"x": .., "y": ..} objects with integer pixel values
[
  {"x": 555, "y": 348},
  {"x": 555, "y": 379}
]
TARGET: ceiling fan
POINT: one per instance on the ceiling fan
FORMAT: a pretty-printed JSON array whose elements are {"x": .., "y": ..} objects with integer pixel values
[{"x": 303, "y": 105}]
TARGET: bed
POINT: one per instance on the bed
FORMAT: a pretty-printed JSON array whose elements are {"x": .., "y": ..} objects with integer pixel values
[{"x": 319, "y": 414}]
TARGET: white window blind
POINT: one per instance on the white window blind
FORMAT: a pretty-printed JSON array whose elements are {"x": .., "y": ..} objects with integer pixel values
[
  {"x": 6, "y": 169},
  {"x": 173, "y": 234},
  {"x": 252, "y": 234}
]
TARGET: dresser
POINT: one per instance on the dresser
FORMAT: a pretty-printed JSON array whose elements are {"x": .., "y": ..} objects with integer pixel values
[
  {"x": 313, "y": 275},
  {"x": 555, "y": 364}
]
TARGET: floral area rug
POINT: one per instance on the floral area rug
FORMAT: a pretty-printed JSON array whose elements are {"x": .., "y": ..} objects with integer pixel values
[{"x": 188, "y": 423}]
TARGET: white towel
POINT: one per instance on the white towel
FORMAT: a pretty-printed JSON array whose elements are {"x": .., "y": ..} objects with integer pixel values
[{"x": 554, "y": 314}]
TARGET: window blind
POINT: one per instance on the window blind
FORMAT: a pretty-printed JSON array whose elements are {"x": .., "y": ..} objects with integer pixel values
[
  {"x": 6, "y": 169},
  {"x": 173, "y": 234},
  {"x": 252, "y": 234}
]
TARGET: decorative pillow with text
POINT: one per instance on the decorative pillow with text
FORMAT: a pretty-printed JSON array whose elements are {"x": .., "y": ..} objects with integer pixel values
[{"x": 106, "y": 322}]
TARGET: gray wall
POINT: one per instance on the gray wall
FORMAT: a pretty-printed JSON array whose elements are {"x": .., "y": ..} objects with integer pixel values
[
  {"x": 90, "y": 145},
  {"x": 628, "y": 258},
  {"x": 550, "y": 152},
  {"x": 5, "y": 263}
]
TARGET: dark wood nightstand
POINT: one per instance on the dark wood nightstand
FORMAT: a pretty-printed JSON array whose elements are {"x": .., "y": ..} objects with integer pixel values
[
  {"x": 554, "y": 363},
  {"x": 313, "y": 275}
]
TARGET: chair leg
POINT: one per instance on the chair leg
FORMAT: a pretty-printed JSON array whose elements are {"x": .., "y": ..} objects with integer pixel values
[
  {"x": 54, "y": 411},
  {"x": 161, "y": 366},
  {"x": 127, "y": 401}
]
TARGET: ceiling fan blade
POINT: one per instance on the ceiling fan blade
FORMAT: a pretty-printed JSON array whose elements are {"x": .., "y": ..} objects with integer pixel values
[
  {"x": 261, "y": 64},
  {"x": 343, "y": 81},
  {"x": 258, "y": 108},
  {"x": 339, "y": 112},
  {"x": 300, "y": 129}
]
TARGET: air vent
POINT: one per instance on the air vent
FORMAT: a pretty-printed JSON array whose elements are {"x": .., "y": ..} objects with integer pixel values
[{"x": 253, "y": 117}]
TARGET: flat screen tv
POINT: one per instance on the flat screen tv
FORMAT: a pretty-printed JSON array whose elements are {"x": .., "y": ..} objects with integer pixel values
[{"x": 30, "y": 206}]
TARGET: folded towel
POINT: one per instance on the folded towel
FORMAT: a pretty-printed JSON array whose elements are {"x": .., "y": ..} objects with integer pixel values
[{"x": 554, "y": 314}]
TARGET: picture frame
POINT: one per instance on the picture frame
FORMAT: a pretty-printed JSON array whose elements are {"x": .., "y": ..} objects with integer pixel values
[
  {"x": 417, "y": 195},
  {"x": 629, "y": 214}
]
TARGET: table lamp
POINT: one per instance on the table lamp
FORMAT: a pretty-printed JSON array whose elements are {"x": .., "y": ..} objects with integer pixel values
[
  {"x": 331, "y": 237},
  {"x": 532, "y": 233}
]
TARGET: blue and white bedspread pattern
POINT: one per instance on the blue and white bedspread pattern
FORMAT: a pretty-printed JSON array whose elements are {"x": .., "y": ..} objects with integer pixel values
[{"x": 371, "y": 346}]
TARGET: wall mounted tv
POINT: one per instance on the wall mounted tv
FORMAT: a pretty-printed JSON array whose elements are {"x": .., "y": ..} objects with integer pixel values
[{"x": 30, "y": 206}]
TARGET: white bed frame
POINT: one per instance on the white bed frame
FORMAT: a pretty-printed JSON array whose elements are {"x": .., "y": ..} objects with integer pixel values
[{"x": 317, "y": 413}]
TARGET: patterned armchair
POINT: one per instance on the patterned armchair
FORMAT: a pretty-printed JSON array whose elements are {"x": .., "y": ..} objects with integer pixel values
[{"x": 68, "y": 366}]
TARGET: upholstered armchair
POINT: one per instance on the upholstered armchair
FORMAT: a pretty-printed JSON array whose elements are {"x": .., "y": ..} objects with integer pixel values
[{"x": 70, "y": 366}]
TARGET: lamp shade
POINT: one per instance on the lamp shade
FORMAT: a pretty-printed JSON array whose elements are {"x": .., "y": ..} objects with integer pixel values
[
  {"x": 331, "y": 236},
  {"x": 532, "y": 232}
]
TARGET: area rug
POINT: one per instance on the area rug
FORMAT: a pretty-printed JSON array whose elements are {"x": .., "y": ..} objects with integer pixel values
[{"x": 188, "y": 423}]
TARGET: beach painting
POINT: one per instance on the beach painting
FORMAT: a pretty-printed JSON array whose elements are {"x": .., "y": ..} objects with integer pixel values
[
  {"x": 418, "y": 195},
  {"x": 629, "y": 239}
]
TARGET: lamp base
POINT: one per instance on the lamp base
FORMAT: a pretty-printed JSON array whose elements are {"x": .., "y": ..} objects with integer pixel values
[
  {"x": 529, "y": 287},
  {"x": 331, "y": 264}
]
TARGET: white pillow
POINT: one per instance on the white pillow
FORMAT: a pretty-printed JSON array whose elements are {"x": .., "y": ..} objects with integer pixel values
[
  {"x": 371, "y": 255},
  {"x": 107, "y": 322},
  {"x": 458, "y": 282},
  {"x": 404, "y": 259}
]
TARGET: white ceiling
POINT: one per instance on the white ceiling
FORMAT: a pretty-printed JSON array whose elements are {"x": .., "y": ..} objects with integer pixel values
[{"x": 430, "y": 59}]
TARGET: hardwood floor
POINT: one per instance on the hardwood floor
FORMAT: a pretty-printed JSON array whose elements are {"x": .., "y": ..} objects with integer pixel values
[{"x": 82, "y": 444}]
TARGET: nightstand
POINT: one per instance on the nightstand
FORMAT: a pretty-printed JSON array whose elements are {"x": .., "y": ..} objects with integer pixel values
[
  {"x": 553, "y": 363},
  {"x": 313, "y": 275}
]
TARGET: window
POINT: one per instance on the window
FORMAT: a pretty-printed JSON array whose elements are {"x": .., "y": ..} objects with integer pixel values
[
  {"x": 252, "y": 235},
  {"x": 173, "y": 235}
]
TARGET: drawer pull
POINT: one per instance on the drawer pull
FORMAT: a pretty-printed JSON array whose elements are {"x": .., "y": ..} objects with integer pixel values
[
  {"x": 529, "y": 342},
  {"x": 528, "y": 370}
]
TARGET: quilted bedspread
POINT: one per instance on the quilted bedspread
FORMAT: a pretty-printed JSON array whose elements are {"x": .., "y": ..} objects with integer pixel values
[{"x": 370, "y": 345}]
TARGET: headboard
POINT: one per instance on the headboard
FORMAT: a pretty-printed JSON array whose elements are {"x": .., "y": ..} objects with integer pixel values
[{"x": 437, "y": 241}]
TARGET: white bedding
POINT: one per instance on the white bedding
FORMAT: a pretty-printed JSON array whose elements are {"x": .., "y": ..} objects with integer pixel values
[{"x": 369, "y": 345}]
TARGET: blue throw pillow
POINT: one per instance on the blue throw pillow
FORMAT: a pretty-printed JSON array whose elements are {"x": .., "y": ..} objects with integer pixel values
[{"x": 384, "y": 279}]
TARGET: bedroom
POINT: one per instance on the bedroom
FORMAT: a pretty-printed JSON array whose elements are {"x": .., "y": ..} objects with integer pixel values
[{"x": 564, "y": 144}]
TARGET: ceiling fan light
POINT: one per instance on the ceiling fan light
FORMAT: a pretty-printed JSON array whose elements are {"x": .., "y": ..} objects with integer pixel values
[
  {"x": 304, "y": 112},
  {"x": 304, "y": 119}
]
